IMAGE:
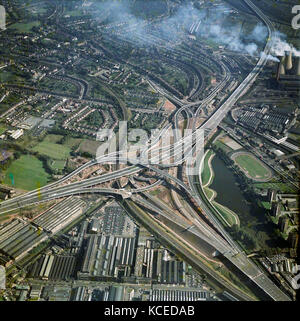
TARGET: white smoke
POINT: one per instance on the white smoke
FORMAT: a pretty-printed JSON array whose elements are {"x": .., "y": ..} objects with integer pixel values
[
  {"x": 280, "y": 46},
  {"x": 259, "y": 33},
  {"x": 251, "y": 48},
  {"x": 269, "y": 57},
  {"x": 171, "y": 28}
]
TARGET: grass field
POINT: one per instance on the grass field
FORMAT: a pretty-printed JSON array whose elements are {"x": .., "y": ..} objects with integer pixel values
[
  {"x": 71, "y": 142},
  {"x": 28, "y": 173},
  {"x": 6, "y": 76},
  {"x": 73, "y": 13},
  {"x": 51, "y": 138},
  {"x": 252, "y": 166},
  {"x": 89, "y": 146},
  {"x": 55, "y": 151},
  {"x": 25, "y": 27},
  {"x": 58, "y": 164},
  {"x": 2, "y": 129}
]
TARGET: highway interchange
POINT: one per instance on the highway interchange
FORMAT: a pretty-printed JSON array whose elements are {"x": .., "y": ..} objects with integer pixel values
[{"x": 216, "y": 236}]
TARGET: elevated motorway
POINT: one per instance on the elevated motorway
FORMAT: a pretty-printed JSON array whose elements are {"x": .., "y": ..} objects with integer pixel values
[
  {"x": 57, "y": 192},
  {"x": 223, "y": 243}
]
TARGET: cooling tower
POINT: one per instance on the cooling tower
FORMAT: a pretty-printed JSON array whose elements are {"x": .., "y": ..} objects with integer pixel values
[
  {"x": 289, "y": 61},
  {"x": 298, "y": 66},
  {"x": 280, "y": 69}
]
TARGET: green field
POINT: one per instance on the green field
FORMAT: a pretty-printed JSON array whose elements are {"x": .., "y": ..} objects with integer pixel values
[
  {"x": 55, "y": 151},
  {"x": 58, "y": 164},
  {"x": 72, "y": 142},
  {"x": 6, "y": 76},
  {"x": 73, "y": 13},
  {"x": 3, "y": 128},
  {"x": 51, "y": 138},
  {"x": 89, "y": 146},
  {"x": 28, "y": 173},
  {"x": 253, "y": 167},
  {"x": 25, "y": 27}
]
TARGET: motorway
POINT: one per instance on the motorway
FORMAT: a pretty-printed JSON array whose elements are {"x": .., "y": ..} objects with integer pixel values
[{"x": 224, "y": 244}]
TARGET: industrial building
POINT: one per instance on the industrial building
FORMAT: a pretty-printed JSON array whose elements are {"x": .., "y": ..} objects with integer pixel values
[
  {"x": 78, "y": 294},
  {"x": 54, "y": 267},
  {"x": 17, "y": 238},
  {"x": 158, "y": 265},
  {"x": 264, "y": 119},
  {"x": 61, "y": 214},
  {"x": 80, "y": 235},
  {"x": 109, "y": 256},
  {"x": 15, "y": 134},
  {"x": 111, "y": 293},
  {"x": 178, "y": 295}
]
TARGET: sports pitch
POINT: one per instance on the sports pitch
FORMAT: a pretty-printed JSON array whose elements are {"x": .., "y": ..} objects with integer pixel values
[{"x": 252, "y": 167}]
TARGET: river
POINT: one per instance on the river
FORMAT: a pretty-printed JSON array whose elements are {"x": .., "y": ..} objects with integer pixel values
[{"x": 228, "y": 192}]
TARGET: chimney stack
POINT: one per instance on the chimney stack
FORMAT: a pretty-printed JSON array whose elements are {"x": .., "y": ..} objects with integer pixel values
[{"x": 289, "y": 61}]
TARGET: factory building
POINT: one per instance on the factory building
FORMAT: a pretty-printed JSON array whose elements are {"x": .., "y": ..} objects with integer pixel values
[
  {"x": 111, "y": 293},
  {"x": 15, "y": 134},
  {"x": 109, "y": 256},
  {"x": 61, "y": 214},
  {"x": 17, "y": 238},
  {"x": 158, "y": 266},
  {"x": 116, "y": 293},
  {"x": 35, "y": 291},
  {"x": 53, "y": 267},
  {"x": 178, "y": 295},
  {"x": 79, "y": 294},
  {"x": 264, "y": 119}
]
